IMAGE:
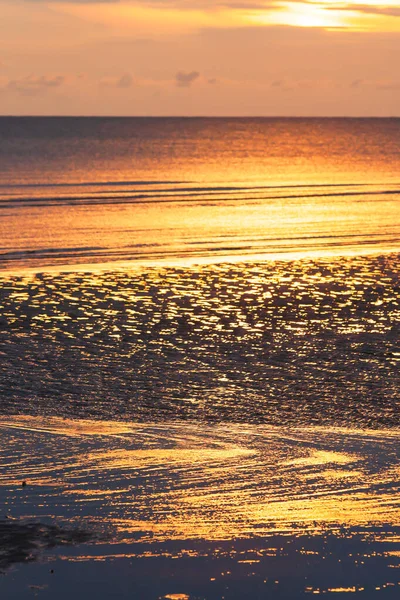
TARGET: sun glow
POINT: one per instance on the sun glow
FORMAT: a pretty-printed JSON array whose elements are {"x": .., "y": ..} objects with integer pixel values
[
  {"x": 368, "y": 15},
  {"x": 299, "y": 15},
  {"x": 126, "y": 16}
]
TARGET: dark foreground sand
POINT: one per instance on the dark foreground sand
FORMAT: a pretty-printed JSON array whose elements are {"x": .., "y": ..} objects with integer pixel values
[
  {"x": 187, "y": 511},
  {"x": 302, "y": 342},
  {"x": 225, "y": 431}
]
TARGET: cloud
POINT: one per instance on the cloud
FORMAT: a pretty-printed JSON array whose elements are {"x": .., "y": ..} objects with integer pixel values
[
  {"x": 179, "y": 5},
  {"x": 392, "y": 85},
  {"x": 125, "y": 81},
  {"x": 388, "y": 11},
  {"x": 72, "y": 1},
  {"x": 30, "y": 86},
  {"x": 389, "y": 86},
  {"x": 238, "y": 5},
  {"x": 366, "y": 7},
  {"x": 357, "y": 83},
  {"x": 183, "y": 79}
]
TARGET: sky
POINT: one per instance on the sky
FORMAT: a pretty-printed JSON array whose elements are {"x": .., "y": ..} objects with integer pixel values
[{"x": 200, "y": 57}]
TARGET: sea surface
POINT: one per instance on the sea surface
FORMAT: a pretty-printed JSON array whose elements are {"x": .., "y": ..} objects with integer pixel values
[
  {"x": 96, "y": 190},
  {"x": 199, "y": 358}
]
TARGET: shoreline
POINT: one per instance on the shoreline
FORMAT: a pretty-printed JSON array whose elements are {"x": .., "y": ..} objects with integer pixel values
[{"x": 198, "y": 261}]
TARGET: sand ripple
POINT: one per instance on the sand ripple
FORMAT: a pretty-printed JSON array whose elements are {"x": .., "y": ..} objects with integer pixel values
[{"x": 185, "y": 481}]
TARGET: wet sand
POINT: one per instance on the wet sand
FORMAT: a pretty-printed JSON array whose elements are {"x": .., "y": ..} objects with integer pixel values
[
  {"x": 219, "y": 431},
  {"x": 307, "y": 342},
  {"x": 202, "y": 511}
]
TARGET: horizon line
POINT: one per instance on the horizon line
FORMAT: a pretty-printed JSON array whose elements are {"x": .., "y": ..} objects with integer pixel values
[{"x": 67, "y": 116}]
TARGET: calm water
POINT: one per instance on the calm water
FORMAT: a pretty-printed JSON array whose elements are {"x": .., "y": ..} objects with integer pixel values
[
  {"x": 199, "y": 358},
  {"x": 96, "y": 190}
]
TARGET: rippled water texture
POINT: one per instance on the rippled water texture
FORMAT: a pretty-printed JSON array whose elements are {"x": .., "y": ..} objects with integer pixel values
[
  {"x": 302, "y": 342},
  {"x": 75, "y": 191},
  {"x": 250, "y": 509}
]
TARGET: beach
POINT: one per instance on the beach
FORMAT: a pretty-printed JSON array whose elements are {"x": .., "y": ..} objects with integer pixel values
[
  {"x": 180, "y": 510},
  {"x": 190, "y": 430},
  {"x": 199, "y": 374},
  {"x": 281, "y": 342}
]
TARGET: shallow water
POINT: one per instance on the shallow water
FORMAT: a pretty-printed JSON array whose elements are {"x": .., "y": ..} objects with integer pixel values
[
  {"x": 177, "y": 481},
  {"x": 251, "y": 509}
]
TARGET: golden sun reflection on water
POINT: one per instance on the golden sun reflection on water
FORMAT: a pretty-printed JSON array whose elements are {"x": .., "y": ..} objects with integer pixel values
[
  {"x": 184, "y": 481},
  {"x": 284, "y": 343}
]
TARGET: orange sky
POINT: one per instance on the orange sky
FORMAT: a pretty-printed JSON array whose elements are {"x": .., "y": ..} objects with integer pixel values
[{"x": 200, "y": 57}]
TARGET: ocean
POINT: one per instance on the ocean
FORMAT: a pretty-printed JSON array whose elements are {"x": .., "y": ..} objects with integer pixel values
[
  {"x": 96, "y": 190},
  {"x": 199, "y": 357}
]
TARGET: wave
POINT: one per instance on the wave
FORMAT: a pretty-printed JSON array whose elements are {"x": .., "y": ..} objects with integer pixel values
[
  {"x": 129, "y": 221},
  {"x": 179, "y": 195},
  {"x": 85, "y": 184},
  {"x": 210, "y": 249}
]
